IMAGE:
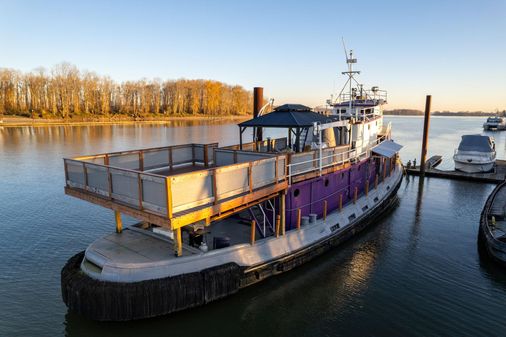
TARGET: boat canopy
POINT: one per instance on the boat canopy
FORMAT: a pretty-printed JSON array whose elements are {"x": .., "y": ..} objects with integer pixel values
[
  {"x": 387, "y": 149},
  {"x": 289, "y": 116},
  {"x": 477, "y": 143}
]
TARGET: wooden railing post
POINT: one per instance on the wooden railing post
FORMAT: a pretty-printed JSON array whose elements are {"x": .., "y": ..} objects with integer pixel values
[
  {"x": 367, "y": 187},
  {"x": 206, "y": 159},
  {"x": 168, "y": 193},
  {"x": 253, "y": 231},
  {"x": 139, "y": 183},
  {"x": 278, "y": 221},
  {"x": 299, "y": 213},
  {"x": 141, "y": 160},
  {"x": 276, "y": 170},
  {"x": 170, "y": 158},
  {"x": 215, "y": 187},
  {"x": 109, "y": 182},
  {"x": 324, "y": 210},
  {"x": 250, "y": 177}
]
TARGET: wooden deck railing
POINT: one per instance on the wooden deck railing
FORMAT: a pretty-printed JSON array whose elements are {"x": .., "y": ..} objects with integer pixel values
[{"x": 169, "y": 197}]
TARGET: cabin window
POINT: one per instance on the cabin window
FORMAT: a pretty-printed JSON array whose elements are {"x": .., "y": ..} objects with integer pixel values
[
  {"x": 326, "y": 182},
  {"x": 296, "y": 193}
]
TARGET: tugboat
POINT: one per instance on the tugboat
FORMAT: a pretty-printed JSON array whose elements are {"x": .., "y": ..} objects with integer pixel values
[
  {"x": 496, "y": 123},
  {"x": 475, "y": 154},
  {"x": 214, "y": 220}
]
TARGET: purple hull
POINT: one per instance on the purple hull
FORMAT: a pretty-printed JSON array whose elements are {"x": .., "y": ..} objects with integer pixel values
[{"x": 309, "y": 195}]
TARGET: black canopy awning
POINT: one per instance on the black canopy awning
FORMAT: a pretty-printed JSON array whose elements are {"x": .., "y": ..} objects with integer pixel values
[{"x": 289, "y": 116}]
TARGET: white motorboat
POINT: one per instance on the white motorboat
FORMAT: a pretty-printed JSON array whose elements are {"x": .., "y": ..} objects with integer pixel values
[
  {"x": 475, "y": 154},
  {"x": 495, "y": 123}
]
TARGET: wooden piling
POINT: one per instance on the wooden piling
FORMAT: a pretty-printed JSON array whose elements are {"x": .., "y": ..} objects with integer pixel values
[
  {"x": 278, "y": 221},
  {"x": 299, "y": 214},
  {"x": 253, "y": 232},
  {"x": 324, "y": 210},
  {"x": 119, "y": 223},
  {"x": 425, "y": 139}
]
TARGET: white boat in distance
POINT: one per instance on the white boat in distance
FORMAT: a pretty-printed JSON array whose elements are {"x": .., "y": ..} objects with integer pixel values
[
  {"x": 475, "y": 154},
  {"x": 495, "y": 123}
]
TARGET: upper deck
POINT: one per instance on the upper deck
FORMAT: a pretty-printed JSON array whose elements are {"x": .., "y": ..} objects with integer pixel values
[{"x": 178, "y": 185}]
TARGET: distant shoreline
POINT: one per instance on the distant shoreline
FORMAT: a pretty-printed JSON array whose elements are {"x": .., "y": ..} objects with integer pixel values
[
  {"x": 406, "y": 112},
  {"x": 14, "y": 121}
]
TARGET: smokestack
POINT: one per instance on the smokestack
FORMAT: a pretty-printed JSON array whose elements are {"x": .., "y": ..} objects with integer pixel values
[{"x": 258, "y": 102}]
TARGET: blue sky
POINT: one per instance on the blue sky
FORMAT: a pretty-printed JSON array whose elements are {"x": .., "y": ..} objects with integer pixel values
[{"x": 454, "y": 50}]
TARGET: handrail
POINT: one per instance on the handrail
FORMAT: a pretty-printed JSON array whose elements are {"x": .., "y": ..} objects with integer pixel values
[
  {"x": 333, "y": 163},
  {"x": 149, "y": 149}
]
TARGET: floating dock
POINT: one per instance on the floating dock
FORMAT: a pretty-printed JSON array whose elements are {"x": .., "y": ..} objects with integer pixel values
[{"x": 498, "y": 176}]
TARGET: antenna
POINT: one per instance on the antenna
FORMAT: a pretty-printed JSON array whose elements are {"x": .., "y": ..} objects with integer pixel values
[{"x": 345, "y": 51}]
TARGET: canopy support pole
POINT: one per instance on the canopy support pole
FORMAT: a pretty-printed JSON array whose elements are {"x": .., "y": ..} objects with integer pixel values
[
  {"x": 241, "y": 131},
  {"x": 297, "y": 140}
]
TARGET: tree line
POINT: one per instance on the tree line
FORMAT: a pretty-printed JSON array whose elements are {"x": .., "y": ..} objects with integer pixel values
[{"x": 66, "y": 92}]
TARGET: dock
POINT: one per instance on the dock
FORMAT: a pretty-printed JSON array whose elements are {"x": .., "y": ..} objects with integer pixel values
[{"x": 498, "y": 176}]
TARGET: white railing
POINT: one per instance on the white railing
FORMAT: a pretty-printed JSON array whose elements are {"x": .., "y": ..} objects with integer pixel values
[{"x": 319, "y": 163}]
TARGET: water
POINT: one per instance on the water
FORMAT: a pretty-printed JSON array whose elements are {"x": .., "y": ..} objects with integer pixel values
[{"x": 417, "y": 273}]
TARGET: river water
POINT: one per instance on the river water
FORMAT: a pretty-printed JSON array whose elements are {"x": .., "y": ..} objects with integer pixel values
[{"x": 418, "y": 272}]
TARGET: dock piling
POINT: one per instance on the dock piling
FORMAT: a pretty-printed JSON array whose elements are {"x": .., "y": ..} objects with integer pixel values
[{"x": 425, "y": 140}]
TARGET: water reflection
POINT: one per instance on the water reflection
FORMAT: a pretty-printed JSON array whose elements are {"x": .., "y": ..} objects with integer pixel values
[{"x": 412, "y": 274}]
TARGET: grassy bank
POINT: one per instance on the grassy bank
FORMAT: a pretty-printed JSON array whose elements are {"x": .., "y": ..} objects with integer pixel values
[{"x": 17, "y": 121}]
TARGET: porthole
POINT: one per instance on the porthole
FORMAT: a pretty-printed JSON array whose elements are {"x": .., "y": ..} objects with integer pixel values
[{"x": 296, "y": 193}]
